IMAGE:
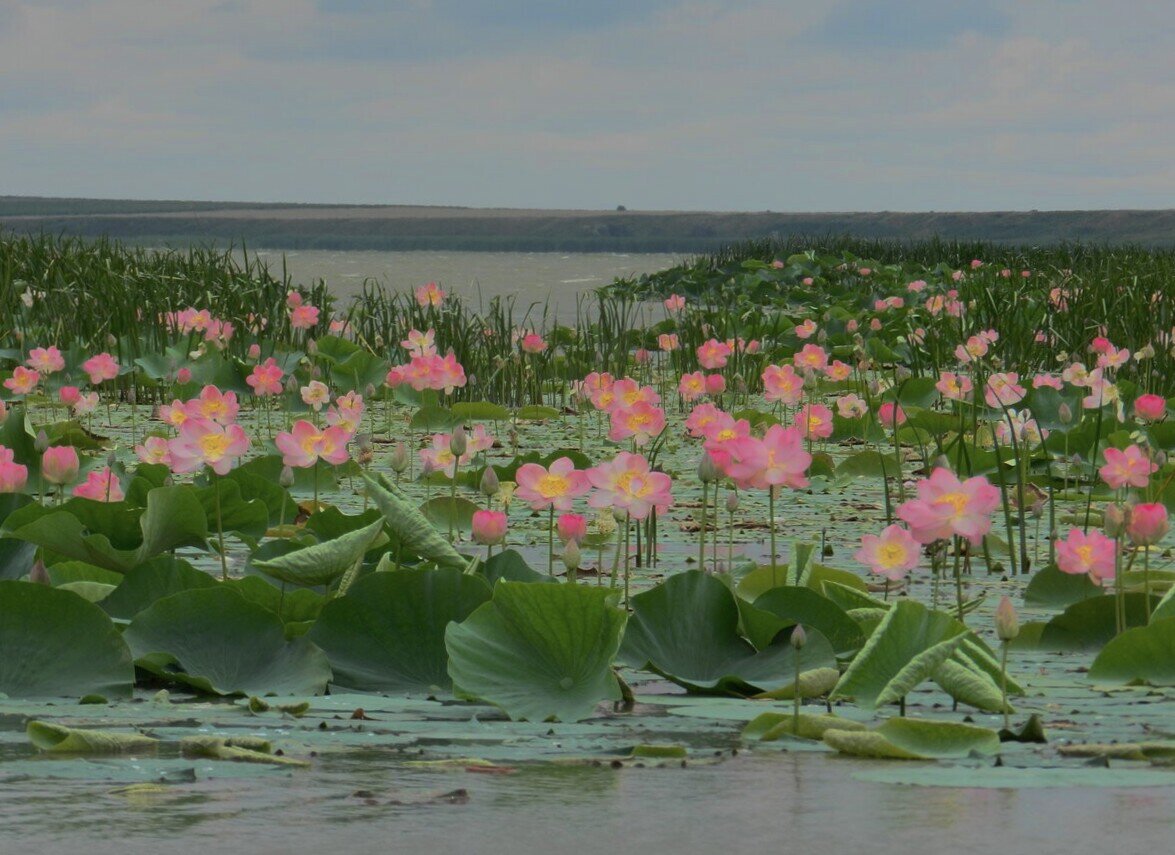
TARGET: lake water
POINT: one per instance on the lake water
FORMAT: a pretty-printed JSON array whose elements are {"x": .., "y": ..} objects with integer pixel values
[{"x": 530, "y": 276}]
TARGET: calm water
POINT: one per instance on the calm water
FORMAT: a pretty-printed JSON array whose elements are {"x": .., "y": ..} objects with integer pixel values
[{"x": 530, "y": 276}]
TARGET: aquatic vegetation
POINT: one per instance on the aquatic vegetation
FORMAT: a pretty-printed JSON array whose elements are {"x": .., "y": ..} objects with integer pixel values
[{"x": 266, "y": 493}]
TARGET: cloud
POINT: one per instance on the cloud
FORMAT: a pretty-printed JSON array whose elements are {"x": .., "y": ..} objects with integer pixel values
[{"x": 743, "y": 104}]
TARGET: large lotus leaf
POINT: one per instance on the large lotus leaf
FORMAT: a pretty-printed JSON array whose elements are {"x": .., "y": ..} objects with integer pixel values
[
  {"x": 539, "y": 651},
  {"x": 297, "y": 605},
  {"x": 907, "y": 647},
  {"x": 55, "y": 644},
  {"x": 16, "y": 556},
  {"x": 770, "y": 726},
  {"x": 480, "y": 411},
  {"x": 1145, "y": 654},
  {"x": 217, "y": 641},
  {"x": 434, "y": 419},
  {"x": 446, "y": 511},
  {"x": 324, "y": 562},
  {"x": 18, "y": 437},
  {"x": 410, "y": 527},
  {"x": 782, "y": 607},
  {"x": 113, "y": 535},
  {"x": 1166, "y": 606},
  {"x": 254, "y": 487},
  {"x": 1089, "y": 624},
  {"x": 686, "y": 629},
  {"x": 388, "y": 633},
  {"x": 151, "y": 581},
  {"x": 915, "y": 739},
  {"x": 1050, "y": 588}
]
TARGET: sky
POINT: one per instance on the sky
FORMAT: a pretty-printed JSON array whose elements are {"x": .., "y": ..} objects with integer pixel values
[{"x": 783, "y": 105}]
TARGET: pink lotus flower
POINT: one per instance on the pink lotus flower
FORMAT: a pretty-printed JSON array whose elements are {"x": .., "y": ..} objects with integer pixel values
[
  {"x": 815, "y": 421},
  {"x": 101, "y": 368},
  {"x": 955, "y": 387},
  {"x": 892, "y": 554},
  {"x": 629, "y": 392},
  {"x": 86, "y": 403},
  {"x": 668, "y": 341},
  {"x": 555, "y": 487},
  {"x": 692, "y": 386},
  {"x": 1091, "y": 553},
  {"x": 69, "y": 395},
  {"x": 715, "y": 384},
  {"x": 713, "y": 354},
  {"x": 154, "y": 450},
  {"x": 303, "y": 317},
  {"x": 429, "y": 295},
  {"x": 720, "y": 433},
  {"x": 266, "y": 378},
  {"x": 60, "y": 464},
  {"x": 23, "y": 381},
  {"x": 838, "y": 371},
  {"x": 13, "y": 475},
  {"x": 1150, "y": 407},
  {"x": 626, "y": 484},
  {"x": 254, "y": 351},
  {"x": 641, "y": 421},
  {"x": 174, "y": 414},
  {"x": 851, "y": 406},
  {"x": 315, "y": 395},
  {"x": 489, "y": 527},
  {"x": 701, "y": 416},
  {"x": 1148, "y": 524},
  {"x": 1129, "y": 468},
  {"x": 947, "y": 506},
  {"x": 778, "y": 459},
  {"x": 1003, "y": 390},
  {"x": 674, "y": 303},
  {"x": 304, "y": 445},
  {"x": 420, "y": 344},
  {"x": 101, "y": 485},
  {"x": 202, "y": 442},
  {"x": 184, "y": 375},
  {"x": 533, "y": 343},
  {"x": 782, "y": 384},
  {"x": 46, "y": 360},
  {"x": 572, "y": 526},
  {"x": 811, "y": 357},
  {"x": 806, "y": 330},
  {"x": 396, "y": 377},
  {"x": 214, "y": 405}
]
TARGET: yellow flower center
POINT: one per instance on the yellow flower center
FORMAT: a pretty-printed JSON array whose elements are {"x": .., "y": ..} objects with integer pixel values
[
  {"x": 552, "y": 486},
  {"x": 958, "y": 501},
  {"x": 213, "y": 446},
  {"x": 891, "y": 554}
]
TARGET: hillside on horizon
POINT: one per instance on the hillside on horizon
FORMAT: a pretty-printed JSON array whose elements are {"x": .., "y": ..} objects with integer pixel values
[{"x": 412, "y": 227}]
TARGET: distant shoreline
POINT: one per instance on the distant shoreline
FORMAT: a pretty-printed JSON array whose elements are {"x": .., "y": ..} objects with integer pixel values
[{"x": 411, "y": 227}]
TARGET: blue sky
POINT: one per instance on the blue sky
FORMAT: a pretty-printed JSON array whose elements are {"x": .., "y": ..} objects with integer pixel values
[{"x": 655, "y": 104}]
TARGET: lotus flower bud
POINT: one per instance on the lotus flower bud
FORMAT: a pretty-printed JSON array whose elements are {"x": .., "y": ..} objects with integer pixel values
[
  {"x": 400, "y": 458},
  {"x": 379, "y": 342},
  {"x": 571, "y": 527},
  {"x": 59, "y": 464},
  {"x": 41, "y": 442},
  {"x": 286, "y": 478},
  {"x": 312, "y": 347},
  {"x": 1065, "y": 413},
  {"x": 457, "y": 441},
  {"x": 38, "y": 575},
  {"x": 731, "y": 502},
  {"x": 798, "y": 637},
  {"x": 707, "y": 470},
  {"x": 489, "y": 482},
  {"x": 183, "y": 375},
  {"x": 489, "y": 527},
  {"x": 111, "y": 341},
  {"x": 1148, "y": 524},
  {"x": 571, "y": 556},
  {"x": 1117, "y": 518},
  {"x": 369, "y": 390},
  {"x": 1007, "y": 624},
  {"x": 111, "y": 459}
]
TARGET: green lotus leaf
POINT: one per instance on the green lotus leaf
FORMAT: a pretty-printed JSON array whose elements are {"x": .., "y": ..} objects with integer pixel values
[
  {"x": 1089, "y": 624},
  {"x": 770, "y": 726},
  {"x": 686, "y": 629},
  {"x": 539, "y": 651},
  {"x": 151, "y": 581},
  {"x": 791, "y": 605},
  {"x": 215, "y": 640},
  {"x": 323, "y": 563},
  {"x": 388, "y": 633},
  {"x": 907, "y": 647},
  {"x": 1144, "y": 654},
  {"x": 915, "y": 739},
  {"x": 410, "y": 527},
  {"x": 58, "y": 739},
  {"x": 1050, "y": 588},
  {"x": 56, "y": 644}
]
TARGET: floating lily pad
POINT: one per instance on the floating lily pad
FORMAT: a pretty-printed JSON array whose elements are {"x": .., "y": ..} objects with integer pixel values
[{"x": 1145, "y": 654}]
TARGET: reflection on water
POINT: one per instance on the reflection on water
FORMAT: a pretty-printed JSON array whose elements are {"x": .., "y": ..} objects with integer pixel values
[
  {"x": 556, "y": 276},
  {"x": 773, "y": 802}
]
